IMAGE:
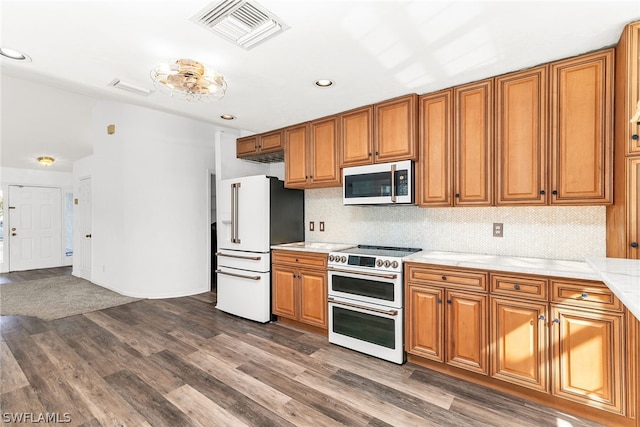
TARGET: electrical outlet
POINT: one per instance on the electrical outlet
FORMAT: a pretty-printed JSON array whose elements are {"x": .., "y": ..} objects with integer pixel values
[
  {"x": 321, "y": 225},
  {"x": 498, "y": 229},
  {"x": 312, "y": 225}
]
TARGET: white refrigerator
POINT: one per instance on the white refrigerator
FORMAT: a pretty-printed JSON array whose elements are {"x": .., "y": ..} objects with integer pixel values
[{"x": 253, "y": 213}]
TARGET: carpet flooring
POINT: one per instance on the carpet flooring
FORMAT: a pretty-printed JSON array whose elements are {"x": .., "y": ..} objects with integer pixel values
[{"x": 56, "y": 297}]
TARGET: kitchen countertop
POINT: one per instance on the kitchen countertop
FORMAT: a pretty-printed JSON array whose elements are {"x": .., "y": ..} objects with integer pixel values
[
  {"x": 320, "y": 247},
  {"x": 622, "y": 276},
  {"x": 539, "y": 266}
]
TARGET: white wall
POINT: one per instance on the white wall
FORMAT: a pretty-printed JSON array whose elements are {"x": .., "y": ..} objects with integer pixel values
[
  {"x": 150, "y": 203},
  {"x": 36, "y": 178},
  {"x": 566, "y": 232}
]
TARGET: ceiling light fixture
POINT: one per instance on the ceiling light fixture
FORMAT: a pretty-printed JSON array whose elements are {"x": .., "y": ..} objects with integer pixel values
[
  {"x": 227, "y": 117},
  {"x": 46, "y": 160},
  {"x": 189, "y": 80},
  {"x": 14, "y": 54},
  {"x": 323, "y": 83}
]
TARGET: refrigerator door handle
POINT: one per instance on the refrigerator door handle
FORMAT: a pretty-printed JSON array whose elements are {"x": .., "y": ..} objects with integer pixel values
[
  {"x": 235, "y": 212},
  {"x": 253, "y": 258},
  {"x": 238, "y": 275}
]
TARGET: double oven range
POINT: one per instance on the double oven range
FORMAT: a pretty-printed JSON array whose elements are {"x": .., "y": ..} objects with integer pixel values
[{"x": 366, "y": 300}]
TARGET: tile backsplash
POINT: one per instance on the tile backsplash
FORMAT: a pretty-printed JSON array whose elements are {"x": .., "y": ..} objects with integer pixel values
[{"x": 563, "y": 232}]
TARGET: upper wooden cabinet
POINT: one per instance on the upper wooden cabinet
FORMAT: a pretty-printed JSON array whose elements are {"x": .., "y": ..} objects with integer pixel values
[
  {"x": 581, "y": 131},
  {"x": 434, "y": 171},
  {"x": 396, "y": 129},
  {"x": 384, "y": 132},
  {"x": 311, "y": 154},
  {"x": 522, "y": 138},
  {"x": 627, "y": 93},
  {"x": 356, "y": 132},
  {"x": 473, "y": 144},
  {"x": 260, "y": 145}
]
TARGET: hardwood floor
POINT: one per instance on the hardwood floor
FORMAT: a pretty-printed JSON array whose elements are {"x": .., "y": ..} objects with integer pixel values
[{"x": 181, "y": 362}]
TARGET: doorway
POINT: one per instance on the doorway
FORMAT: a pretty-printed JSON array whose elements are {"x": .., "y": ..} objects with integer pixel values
[{"x": 35, "y": 227}]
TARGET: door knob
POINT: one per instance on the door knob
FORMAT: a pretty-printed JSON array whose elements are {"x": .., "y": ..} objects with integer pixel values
[
  {"x": 88, "y": 236},
  {"x": 13, "y": 229},
  {"x": 14, "y": 234}
]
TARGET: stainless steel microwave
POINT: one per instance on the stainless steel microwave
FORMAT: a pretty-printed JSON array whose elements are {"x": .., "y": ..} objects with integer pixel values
[{"x": 379, "y": 184}]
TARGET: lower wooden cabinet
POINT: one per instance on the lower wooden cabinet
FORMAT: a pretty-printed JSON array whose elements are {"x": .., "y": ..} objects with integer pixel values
[
  {"x": 299, "y": 287},
  {"x": 587, "y": 349},
  {"x": 519, "y": 336},
  {"x": 563, "y": 342}
]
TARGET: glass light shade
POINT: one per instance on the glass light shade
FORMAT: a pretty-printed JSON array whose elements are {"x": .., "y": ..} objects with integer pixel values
[{"x": 46, "y": 160}]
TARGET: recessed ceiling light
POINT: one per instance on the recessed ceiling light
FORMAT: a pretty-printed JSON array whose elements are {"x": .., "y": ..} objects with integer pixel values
[
  {"x": 324, "y": 83},
  {"x": 227, "y": 117},
  {"x": 14, "y": 54}
]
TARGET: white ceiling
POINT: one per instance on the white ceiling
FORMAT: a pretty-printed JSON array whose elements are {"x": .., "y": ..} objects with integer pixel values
[{"x": 373, "y": 50}]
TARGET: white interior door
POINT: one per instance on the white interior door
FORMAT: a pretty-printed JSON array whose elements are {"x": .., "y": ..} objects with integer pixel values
[
  {"x": 35, "y": 227},
  {"x": 83, "y": 252}
]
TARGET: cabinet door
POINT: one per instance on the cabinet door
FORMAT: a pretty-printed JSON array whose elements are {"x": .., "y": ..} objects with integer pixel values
[
  {"x": 627, "y": 82},
  {"x": 396, "y": 129},
  {"x": 424, "y": 322},
  {"x": 519, "y": 339},
  {"x": 587, "y": 357},
  {"x": 521, "y": 138},
  {"x": 313, "y": 297},
  {"x": 283, "y": 285},
  {"x": 435, "y": 164},
  {"x": 581, "y": 112},
  {"x": 633, "y": 174},
  {"x": 324, "y": 171},
  {"x": 466, "y": 329},
  {"x": 272, "y": 141},
  {"x": 473, "y": 138},
  {"x": 356, "y": 129},
  {"x": 247, "y": 146},
  {"x": 295, "y": 156}
]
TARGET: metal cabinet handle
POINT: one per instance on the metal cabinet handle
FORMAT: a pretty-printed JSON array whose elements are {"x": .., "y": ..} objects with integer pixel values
[
  {"x": 556, "y": 320},
  {"x": 584, "y": 295},
  {"x": 516, "y": 287},
  {"x": 634, "y": 245},
  {"x": 238, "y": 275},
  {"x": 541, "y": 317}
]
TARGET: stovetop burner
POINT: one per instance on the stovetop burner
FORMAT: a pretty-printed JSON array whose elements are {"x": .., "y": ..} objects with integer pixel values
[{"x": 386, "y": 251}]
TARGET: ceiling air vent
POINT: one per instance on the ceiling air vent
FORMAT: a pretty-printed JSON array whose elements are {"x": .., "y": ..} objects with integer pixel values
[{"x": 241, "y": 22}]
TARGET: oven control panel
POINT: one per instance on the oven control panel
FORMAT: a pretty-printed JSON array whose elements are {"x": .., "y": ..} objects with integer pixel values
[{"x": 379, "y": 263}]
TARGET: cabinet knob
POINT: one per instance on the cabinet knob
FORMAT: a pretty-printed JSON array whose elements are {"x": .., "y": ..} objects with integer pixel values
[
  {"x": 541, "y": 317},
  {"x": 554, "y": 192},
  {"x": 448, "y": 301},
  {"x": 542, "y": 191},
  {"x": 634, "y": 244},
  {"x": 377, "y": 154},
  {"x": 634, "y": 137},
  {"x": 584, "y": 295},
  {"x": 516, "y": 287},
  {"x": 444, "y": 277},
  {"x": 556, "y": 320},
  {"x": 457, "y": 195},
  {"x": 439, "y": 300}
]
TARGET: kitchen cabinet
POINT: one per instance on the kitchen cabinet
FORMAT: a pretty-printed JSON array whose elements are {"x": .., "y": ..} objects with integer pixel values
[
  {"x": 299, "y": 287},
  {"x": 522, "y": 138},
  {"x": 623, "y": 235},
  {"x": 581, "y": 129},
  {"x": 434, "y": 178},
  {"x": 311, "y": 154},
  {"x": 395, "y": 133},
  {"x": 356, "y": 130},
  {"x": 444, "y": 321},
  {"x": 473, "y": 143},
  {"x": 269, "y": 144}
]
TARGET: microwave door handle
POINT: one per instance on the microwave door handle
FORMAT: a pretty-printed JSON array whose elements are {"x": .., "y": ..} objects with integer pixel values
[{"x": 393, "y": 183}]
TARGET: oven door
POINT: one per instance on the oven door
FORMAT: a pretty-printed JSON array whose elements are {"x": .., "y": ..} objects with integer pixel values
[
  {"x": 373, "y": 287},
  {"x": 367, "y": 328}
]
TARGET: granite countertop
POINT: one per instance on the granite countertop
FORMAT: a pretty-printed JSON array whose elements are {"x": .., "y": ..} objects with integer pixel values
[
  {"x": 622, "y": 276},
  {"x": 539, "y": 266},
  {"x": 320, "y": 247}
]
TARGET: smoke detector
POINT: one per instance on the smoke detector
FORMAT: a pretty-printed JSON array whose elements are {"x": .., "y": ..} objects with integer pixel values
[{"x": 242, "y": 22}]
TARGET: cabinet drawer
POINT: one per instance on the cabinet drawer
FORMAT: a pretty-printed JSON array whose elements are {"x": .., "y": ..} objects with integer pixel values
[
  {"x": 307, "y": 259},
  {"x": 584, "y": 294},
  {"x": 455, "y": 278},
  {"x": 523, "y": 287}
]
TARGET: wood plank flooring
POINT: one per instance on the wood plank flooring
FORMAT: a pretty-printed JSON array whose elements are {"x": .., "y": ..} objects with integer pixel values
[{"x": 181, "y": 362}]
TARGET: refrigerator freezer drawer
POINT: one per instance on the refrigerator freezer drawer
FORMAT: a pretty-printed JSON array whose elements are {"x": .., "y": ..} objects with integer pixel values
[
  {"x": 244, "y": 293},
  {"x": 244, "y": 260}
]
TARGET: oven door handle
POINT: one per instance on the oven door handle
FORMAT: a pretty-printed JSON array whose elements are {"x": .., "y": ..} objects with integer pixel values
[
  {"x": 376, "y": 310},
  {"x": 360, "y": 273}
]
